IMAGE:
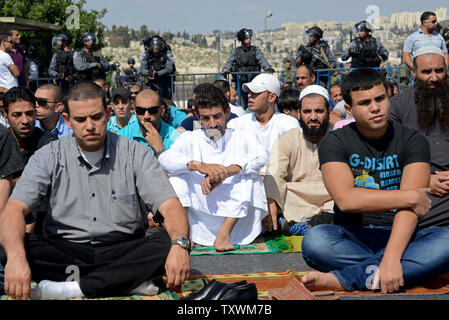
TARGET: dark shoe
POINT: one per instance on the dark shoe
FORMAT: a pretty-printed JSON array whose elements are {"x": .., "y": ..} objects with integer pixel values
[
  {"x": 241, "y": 293},
  {"x": 213, "y": 290}
]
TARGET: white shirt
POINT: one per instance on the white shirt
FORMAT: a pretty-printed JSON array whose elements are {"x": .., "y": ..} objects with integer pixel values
[
  {"x": 7, "y": 79},
  {"x": 241, "y": 196},
  {"x": 268, "y": 133},
  {"x": 238, "y": 110}
]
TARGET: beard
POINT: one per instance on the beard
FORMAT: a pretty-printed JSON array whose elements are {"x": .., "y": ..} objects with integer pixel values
[
  {"x": 213, "y": 133},
  {"x": 314, "y": 132},
  {"x": 432, "y": 104}
]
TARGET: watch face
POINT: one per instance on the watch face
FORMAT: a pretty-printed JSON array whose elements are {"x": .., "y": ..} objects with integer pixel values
[{"x": 185, "y": 243}]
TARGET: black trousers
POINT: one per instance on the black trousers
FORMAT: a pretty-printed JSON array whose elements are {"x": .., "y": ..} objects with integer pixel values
[{"x": 101, "y": 270}]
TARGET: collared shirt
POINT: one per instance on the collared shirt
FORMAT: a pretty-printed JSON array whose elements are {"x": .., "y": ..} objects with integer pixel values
[
  {"x": 61, "y": 129},
  {"x": 167, "y": 133},
  {"x": 105, "y": 203},
  {"x": 419, "y": 39},
  {"x": 176, "y": 116},
  {"x": 241, "y": 196},
  {"x": 113, "y": 125}
]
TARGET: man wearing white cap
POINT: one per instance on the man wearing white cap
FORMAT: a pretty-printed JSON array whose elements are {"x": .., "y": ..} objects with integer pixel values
[
  {"x": 299, "y": 190},
  {"x": 265, "y": 121},
  {"x": 425, "y": 108}
]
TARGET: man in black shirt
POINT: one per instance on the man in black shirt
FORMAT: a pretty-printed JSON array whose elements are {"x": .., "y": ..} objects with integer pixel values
[
  {"x": 377, "y": 172},
  {"x": 19, "y": 106},
  {"x": 425, "y": 108}
]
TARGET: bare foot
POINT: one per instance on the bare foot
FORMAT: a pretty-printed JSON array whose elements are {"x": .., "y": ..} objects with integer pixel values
[
  {"x": 223, "y": 242},
  {"x": 318, "y": 281}
]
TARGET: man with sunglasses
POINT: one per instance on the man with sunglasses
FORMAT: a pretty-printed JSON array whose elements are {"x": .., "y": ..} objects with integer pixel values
[
  {"x": 121, "y": 105},
  {"x": 49, "y": 108},
  {"x": 150, "y": 129},
  {"x": 133, "y": 92},
  {"x": 426, "y": 35},
  {"x": 9, "y": 72}
]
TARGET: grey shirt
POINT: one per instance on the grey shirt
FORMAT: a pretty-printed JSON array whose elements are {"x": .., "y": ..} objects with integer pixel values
[
  {"x": 105, "y": 203},
  {"x": 381, "y": 50},
  {"x": 404, "y": 111},
  {"x": 167, "y": 70},
  {"x": 82, "y": 65}
]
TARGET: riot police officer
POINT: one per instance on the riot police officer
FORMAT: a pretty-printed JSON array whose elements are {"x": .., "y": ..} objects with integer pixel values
[
  {"x": 316, "y": 54},
  {"x": 365, "y": 50},
  {"x": 158, "y": 66},
  {"x": 61, "y": 65},
  {"x": 89, "y": 64},
  {"x": 246, "y": 58},
  {"x": 131, "y": 72}
]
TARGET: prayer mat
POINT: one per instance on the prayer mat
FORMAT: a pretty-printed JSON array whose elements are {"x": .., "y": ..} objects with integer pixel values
[
  {"x": 262, "y": 244},
  {"x": 274, "y": 280},
  {"x": 165, "y": 295}
]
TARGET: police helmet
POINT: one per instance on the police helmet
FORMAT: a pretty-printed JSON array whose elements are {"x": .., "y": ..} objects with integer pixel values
[
  {"x": 89, "y": 36},
  {"x": 31, "y": 47},
  {"x": 363, "y": 26},
  {"x": 131, "y": 61},
  {"x": 244, "y": 34},
  {"x": 65, "y": 38},
  {"x": 154, "y": 41},
  {"x": 445, "y": 34},
  {"x": 116, "y": 64},
  {"x": 315, "y": 32}
]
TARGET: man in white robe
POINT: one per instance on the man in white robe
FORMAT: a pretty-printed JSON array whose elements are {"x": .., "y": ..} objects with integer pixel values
[{"x": 215, "y": 171}]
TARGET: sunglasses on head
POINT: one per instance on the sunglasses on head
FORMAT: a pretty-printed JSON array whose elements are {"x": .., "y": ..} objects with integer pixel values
[
  {"x": 42, "y": 102},
  {"x": 151, "y": 110}
]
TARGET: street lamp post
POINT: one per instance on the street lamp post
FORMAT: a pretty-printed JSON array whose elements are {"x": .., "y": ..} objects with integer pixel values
[{"x": 268, "y": 15}]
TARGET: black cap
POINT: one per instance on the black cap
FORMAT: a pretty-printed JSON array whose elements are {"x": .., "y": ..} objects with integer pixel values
[{"x": 122, "y": 92}]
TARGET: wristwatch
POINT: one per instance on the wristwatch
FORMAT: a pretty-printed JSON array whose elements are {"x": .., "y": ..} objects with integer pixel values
[
  {"x": 160, "y": 152},
  {"x": 183, "y": 242}
]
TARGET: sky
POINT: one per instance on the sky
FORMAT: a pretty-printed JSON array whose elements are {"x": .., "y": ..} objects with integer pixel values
[{"x": 204, "y": 16}]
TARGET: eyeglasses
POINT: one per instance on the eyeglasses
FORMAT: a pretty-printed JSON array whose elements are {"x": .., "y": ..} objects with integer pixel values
[
  {"x": 134, "y": 92},
  {"x": 151, "y": 110},
  {"x": 42, "y": 102},
  {"x": 10, "y": 41}
]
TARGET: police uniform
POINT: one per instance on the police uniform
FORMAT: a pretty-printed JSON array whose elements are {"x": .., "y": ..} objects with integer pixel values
[
  {"x": 85, "y": 65},
  {"x": 310, "y": 56},
  {"x": 164, "y": 66},
  {"x": 62, "y": 63},
  {"x": 365, "y": 53}
]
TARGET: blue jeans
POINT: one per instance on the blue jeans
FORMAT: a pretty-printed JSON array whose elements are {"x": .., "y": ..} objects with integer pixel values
[{"x": 352, "y": 254}]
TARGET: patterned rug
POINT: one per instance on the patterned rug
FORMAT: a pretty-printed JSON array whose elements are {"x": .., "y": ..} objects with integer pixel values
[
  {"x": 271, "y": 280},
  {"x": 272, "y": 244}
]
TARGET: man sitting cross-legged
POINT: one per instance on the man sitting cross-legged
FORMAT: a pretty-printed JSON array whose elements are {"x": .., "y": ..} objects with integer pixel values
[
  {"x": 377, "y": 172},
  {"x": 215, "y": 173},
  {"x": 95, "y": 185}
]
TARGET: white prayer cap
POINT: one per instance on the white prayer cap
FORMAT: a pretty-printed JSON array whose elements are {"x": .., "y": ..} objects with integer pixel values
[
  {"x": 427, "y": 49},
  {"x": 314, "y": 89},
  {"x": 263, "y": 82}
]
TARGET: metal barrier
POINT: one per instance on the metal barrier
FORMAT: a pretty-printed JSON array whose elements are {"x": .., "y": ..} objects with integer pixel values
[{"x": 182, "y": 85}]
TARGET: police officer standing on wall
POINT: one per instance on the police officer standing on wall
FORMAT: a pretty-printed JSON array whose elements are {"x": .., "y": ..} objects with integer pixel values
[
  {"x": 365, "y": 50},
  {"x": 131, "y": 72},
  {"x": 246, "y": 58},
  {"x": 158, "y": 66},
  {"x": 316, "y": 54},
  {"x": 445, "y": 34},
  {"x": 89, "y": 64},
  {"x": 61, "y": 65}
]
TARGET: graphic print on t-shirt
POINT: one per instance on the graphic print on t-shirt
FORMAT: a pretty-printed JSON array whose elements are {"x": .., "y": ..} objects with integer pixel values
[{"x": 376, "y": 173}]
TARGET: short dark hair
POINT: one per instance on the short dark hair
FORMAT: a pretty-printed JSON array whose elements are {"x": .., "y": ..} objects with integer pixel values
[
  {"x": 223, "y": 85},
  {"x": 85, "y": 90},
  {"x": 17, "y": 94},
  {"x": 426, "y": 15},
  {"x": 57, "y": 91},
  {"x": 361, "y": 79},
  {"x": 209, "y": 96},
  {"x": 288, "y": 99}
]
